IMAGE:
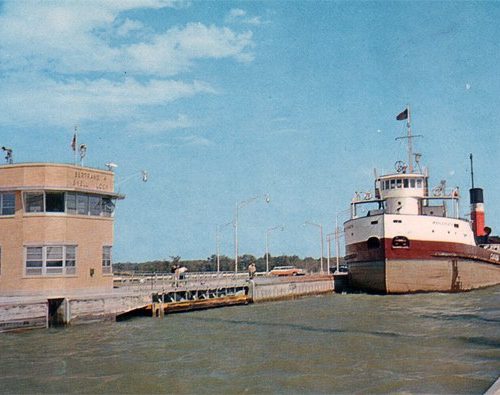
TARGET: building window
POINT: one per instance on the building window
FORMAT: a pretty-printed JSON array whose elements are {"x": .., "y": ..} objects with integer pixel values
[
  {"x": 50, "y": 260},
  {"x": 54, "y": 260},
  {"x": 34, "y": 202},
  {"x": 54, "y": 202},
  {"x": 34, "y": 261},
  {"x": 64, "y": 202},
  {"x": 82, "y": 204},
  {"x": 70, "y": 203},
  {"x": 108, "y": 207},
  {"x": 70, "y": 260},
  {"x": 95, "y": 205},
  {"x": 7, "y": 203},
  {"x": 106, "y": 260}
]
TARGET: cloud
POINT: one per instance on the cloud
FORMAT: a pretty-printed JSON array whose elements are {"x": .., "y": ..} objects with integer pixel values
[
  {"x": 174, "y": 51},
  {"x": 186, "y": 141},
  {"x": 160, "y": 126},
  {"x": 72, "y": 100},
  {"x": 75, "y": 37},
  {"x": 195, "y": 141},
  {"x": 129, "y": 26},
  {"x": 66, "y": 62},
  {"x": 237, "y": 15}
]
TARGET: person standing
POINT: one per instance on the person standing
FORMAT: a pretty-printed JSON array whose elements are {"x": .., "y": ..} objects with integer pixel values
[{"x": 251, "y": 270}]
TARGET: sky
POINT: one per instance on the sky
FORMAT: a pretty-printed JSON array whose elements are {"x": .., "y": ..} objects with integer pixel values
[{"x": 223, "y": 101}]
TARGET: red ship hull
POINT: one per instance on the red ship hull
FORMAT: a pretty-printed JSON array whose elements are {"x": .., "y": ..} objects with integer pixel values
[{"x": 425, "y": 266}]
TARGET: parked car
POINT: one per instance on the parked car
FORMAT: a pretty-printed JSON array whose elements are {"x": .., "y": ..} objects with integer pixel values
[{"x": 286, "y": 271}]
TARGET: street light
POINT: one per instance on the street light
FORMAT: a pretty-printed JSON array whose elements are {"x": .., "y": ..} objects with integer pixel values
[
  {"x": 328, "y": 240},
  {"x": 321, "y": 235},
  {"x": 338, "y": 232},
  {"x": 218, "y": 228},
  {"x": 238, "y": 206},
  {"x": 144, "y": 175},
  {"x": 267, "y": 244}
]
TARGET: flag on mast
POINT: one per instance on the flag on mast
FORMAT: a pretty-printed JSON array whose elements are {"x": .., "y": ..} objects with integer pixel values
[
  {"x": 73, "y": 143},
  {"x": 402, "y": 115}
]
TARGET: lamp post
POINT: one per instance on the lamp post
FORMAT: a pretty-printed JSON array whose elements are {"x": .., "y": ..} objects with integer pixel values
[
  {"x": 218, "y": 228},
  {"x": 338, "y": 232},
  {"x": 329, "y": 248},
  {"x": 321, "y": 235},
  {"x": 238, "y": 206},
  {"x": 337, "y": 246},
  {"x": 269, "y": 230},
  {"x": 144, "y": 175}
]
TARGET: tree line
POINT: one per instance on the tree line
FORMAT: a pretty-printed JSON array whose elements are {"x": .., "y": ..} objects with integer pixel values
[{"x": 225, "y": 263}]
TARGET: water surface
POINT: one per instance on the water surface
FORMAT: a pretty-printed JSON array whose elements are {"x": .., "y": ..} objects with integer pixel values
[{"x": 431, "y": 343}]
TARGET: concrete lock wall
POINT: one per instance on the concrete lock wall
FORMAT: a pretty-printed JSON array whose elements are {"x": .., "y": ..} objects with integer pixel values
[
  {"x": 102, "y": 308},
  {"x": 265, "y": 289},
  {"x": 26, "y": 315}
]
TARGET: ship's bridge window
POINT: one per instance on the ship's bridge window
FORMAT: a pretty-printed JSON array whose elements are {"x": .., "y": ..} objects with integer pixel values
[
  {"x": 393, "y": 184},
  {"x": 386, "y": 184},
  {"x": 7, "y": 203},
  {"x": 412, "y": 183},
  {"x": 405, "y": 183},
  {"x": 419, "y": 183},
  {"x": 399, "y": 183}
]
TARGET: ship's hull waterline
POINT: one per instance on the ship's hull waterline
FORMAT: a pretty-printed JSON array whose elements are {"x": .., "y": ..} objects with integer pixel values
[{"x": 399, "y": 276}]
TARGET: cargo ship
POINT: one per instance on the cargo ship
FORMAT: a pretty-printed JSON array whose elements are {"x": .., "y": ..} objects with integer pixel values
[{"x": 405, "y": 237}]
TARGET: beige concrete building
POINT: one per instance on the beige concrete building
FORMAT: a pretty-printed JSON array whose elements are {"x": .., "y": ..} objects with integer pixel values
[{"x": 56, "y": 229}]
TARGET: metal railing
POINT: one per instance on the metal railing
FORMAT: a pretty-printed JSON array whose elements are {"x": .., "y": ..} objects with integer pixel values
[{"x": 144, "y": 281}]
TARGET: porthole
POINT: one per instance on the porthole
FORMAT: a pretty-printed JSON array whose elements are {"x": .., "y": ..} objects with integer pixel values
[{"x": 400, "y": 242}]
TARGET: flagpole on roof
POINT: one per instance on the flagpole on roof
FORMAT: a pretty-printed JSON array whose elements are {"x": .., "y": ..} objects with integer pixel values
[{"x": 75, "y": 144}]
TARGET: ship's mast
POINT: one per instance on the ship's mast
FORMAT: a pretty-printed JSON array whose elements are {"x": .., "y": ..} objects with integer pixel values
[
  {"x": 410, "y": 142},
  {"x": 407, "y": 115}
]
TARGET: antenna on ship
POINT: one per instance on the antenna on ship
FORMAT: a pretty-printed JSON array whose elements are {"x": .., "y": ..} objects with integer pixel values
[{"x": 405, "y": 114}]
